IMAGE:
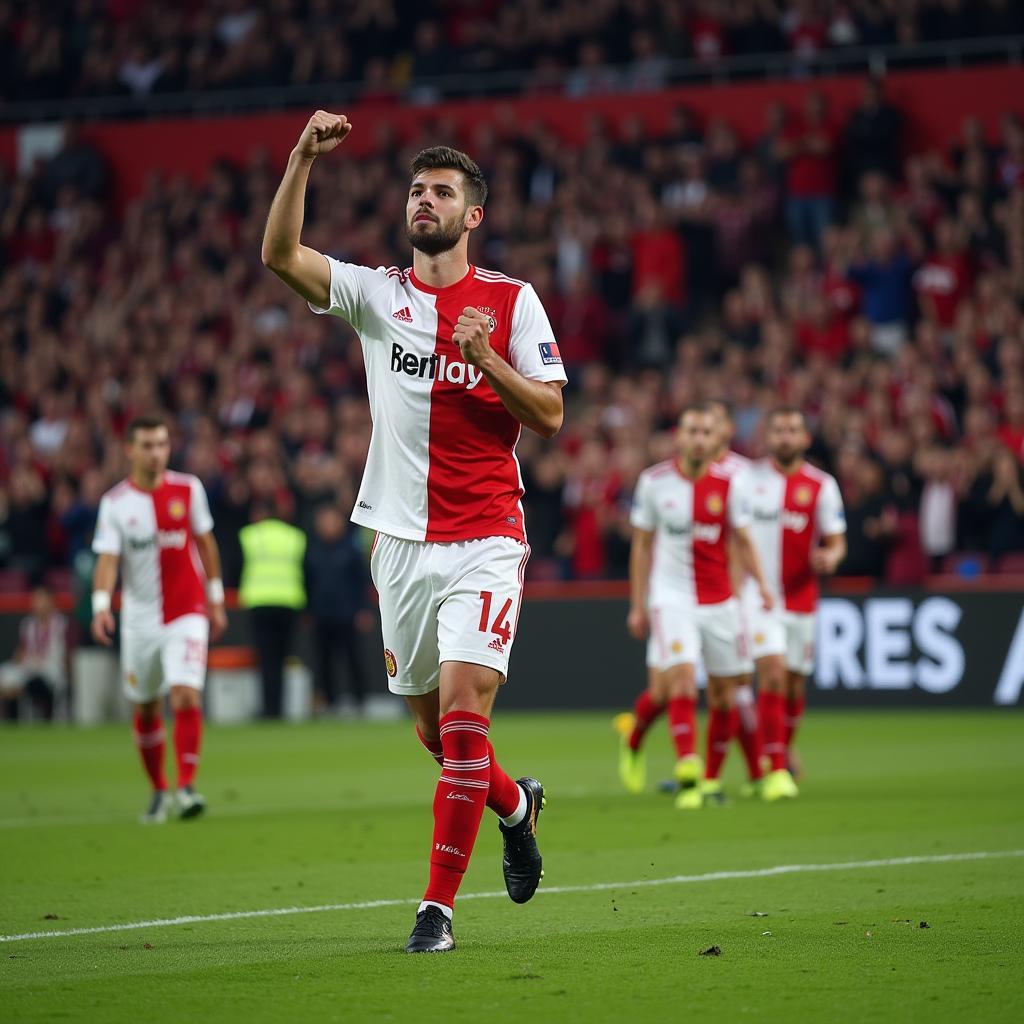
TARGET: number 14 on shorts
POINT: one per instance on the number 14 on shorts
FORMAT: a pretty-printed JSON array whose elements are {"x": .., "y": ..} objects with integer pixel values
[{"x": 499, "y": 626}]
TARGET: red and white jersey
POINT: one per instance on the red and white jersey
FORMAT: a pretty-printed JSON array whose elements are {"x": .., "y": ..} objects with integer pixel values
[
  {"x": 732, "y": 463},
  {"x": 442, "y": 463},
  {"x": 154, "y": 534},
  {"x": 691, "y": 521},
  {"x": 790, "y": 513}
]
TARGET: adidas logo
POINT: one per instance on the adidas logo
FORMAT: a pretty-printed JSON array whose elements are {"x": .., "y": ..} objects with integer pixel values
[
  {"x": 497, "y": 645},
  {"x": 403, "y": 314}
]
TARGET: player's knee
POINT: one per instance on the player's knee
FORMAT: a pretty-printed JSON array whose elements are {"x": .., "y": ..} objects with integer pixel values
[
  {"x": 467, "y": 687},
  {"x": 148, "y": 711},
  {"x": 183, "y": 697},
  {"x": 772, "y": 677}
]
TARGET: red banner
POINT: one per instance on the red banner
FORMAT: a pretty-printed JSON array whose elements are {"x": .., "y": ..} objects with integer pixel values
[{"x": 934, "y": 103}]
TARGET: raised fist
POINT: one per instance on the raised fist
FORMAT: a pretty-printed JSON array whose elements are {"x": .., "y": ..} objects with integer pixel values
[{"x": 322, "y": 133}]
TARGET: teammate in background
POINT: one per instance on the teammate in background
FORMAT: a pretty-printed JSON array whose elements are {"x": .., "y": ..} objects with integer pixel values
[
  {"x": 152, "y": 525},
  {"x": 458, "y": 359},
  {"x": 730, "y": 462},
  {"x": 799, "y": 529},
  {"x": 680, "y": 590}
]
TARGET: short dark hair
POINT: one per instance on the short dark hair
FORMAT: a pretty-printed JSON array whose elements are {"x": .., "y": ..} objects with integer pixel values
[
  {"x": 447, "y": 158},
  {"x": 725, "y": 405},
  {"x": 788, "y": 410},
  {"x": 146, "y": 422},
  {"x": 701, "y": 407}
]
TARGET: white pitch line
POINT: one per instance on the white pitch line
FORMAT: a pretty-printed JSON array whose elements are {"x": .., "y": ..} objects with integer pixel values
[{"x": 554, "y": 890}]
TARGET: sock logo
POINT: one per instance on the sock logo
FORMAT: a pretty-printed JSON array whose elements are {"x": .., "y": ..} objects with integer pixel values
[
  {"x": 444, "y": 848},
  {"x": 459, "y": 796}
]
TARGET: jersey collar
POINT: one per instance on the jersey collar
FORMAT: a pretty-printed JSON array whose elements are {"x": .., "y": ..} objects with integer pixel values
[
  {"x": 417, "y": 283},
  {"x": 135, "y": 487}
]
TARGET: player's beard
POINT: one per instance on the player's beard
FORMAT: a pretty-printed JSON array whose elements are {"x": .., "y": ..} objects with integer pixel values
[
  {"x": 786, "y": 457},
  {"x": 443, "y": 236}
]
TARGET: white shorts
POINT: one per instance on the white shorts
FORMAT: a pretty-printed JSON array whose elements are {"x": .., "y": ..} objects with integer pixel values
[
  {"x": 790, "y": 634},
  {"x": 173, "y": 655},
  {"x": 682, "y": 634},
  {"x": 446, "y": 602}
]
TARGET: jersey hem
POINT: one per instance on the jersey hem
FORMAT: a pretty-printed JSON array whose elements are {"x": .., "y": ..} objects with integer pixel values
[{"x": 401, "y": 533}]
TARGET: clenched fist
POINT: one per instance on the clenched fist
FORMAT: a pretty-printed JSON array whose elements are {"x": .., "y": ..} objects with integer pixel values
[
  {"x": 472, "y": 335},
  {"x": 322, "y": 133}
]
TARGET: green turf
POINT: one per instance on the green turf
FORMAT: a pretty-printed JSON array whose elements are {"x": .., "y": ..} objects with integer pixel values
[{"x": 331, "y": 813}]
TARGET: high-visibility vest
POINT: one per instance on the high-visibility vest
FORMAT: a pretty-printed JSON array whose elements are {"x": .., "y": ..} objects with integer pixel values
[{"x": 272, "y": 576}]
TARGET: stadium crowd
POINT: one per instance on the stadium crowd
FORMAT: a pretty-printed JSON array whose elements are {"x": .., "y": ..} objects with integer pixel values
[
  {"x": 816, "y": 266},
  {"x": 102, "y": 48}
]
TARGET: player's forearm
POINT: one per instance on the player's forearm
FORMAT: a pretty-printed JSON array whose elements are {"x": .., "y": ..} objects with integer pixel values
[
  {"x": 639, "y": 573},
  {"x": 533, "y": 403},
  {"x": 209, "y": 555},
  {"x": 737, "y": 574},
  {"x": 750, "y": 559},
  {"x": 284, "y": 223},
  {"x": 836, "y": 547},
  {"x": 303, "y": 269},
  {"x": 104, "y": 576}
]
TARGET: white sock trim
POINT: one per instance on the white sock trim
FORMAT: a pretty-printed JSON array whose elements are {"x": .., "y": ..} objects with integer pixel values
[
  {"x": 520, "y": 812},
  {"x": 447, "y": 911}
]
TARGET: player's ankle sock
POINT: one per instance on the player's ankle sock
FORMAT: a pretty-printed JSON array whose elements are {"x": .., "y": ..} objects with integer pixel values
[
  {"x": 646, "y": 712},
  {"x": 151, "y": 739},
  {"x": 794, "y": 712},
  {"x": 188, "y": 733},
  {"x": 434, "y": 747},
  {"x": 505, "y": 797},
  {"x": 682, "y": 724},
  {"x": 458, "y": 802},
  {"x": 747, "y": 733},
  {"x": 719, "y": 735},
  {"x": 771, "y": 709}
]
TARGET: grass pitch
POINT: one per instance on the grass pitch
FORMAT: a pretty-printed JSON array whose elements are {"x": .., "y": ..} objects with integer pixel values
[{"x": 337, "y": 814}]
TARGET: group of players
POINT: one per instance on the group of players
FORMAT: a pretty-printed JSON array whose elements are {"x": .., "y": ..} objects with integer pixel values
[
  {"x": 724, "y": 566},
  {"x": 458, "y": 359}
]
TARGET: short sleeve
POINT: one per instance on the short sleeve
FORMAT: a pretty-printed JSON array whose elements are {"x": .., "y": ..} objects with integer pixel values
[
  {"x": 643, "y": 515},
  {"x": 830, "y": 515},
  {"x": 738, "y": 501},
  {"x": 532, "y": 348},
  {"x": 199, "y": 510},
  {"x": 351, "y": 287},
  {"x": 106, "y": 538}
]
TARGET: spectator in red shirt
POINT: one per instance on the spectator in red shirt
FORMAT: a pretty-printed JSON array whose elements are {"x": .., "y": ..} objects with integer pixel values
[
  {"x": 658, "y": 256},
  {"x": 1011, "y": 430},
  {"x": 943, "y": 279},
  {"x": 823, "y": 331},
  {"x": 580, "y": 320},
  {"x": 809, "y": 150},
  {"x": 707, "y": 32}
]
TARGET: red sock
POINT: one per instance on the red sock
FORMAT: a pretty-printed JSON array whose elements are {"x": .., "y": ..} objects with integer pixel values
[
  {"x": 458, "y": 802},
  {"x": 503, "y": 796},
  {"x": 646, "y": 712},
  {"x": 151, "y": 739},
  {"x": 682, "y": 724},
  {"x": 720, "y": 724},
  {"x": 771, "y": 709},
  {"x": 794, "y": 712},
  {"x": 188, "y": 731},
  {"x": 434, "y": 748},
  {"x": 749, "y": 737}
]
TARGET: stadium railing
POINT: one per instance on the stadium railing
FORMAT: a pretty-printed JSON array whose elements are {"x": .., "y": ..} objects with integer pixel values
[{"x": 948, "y": 53}]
